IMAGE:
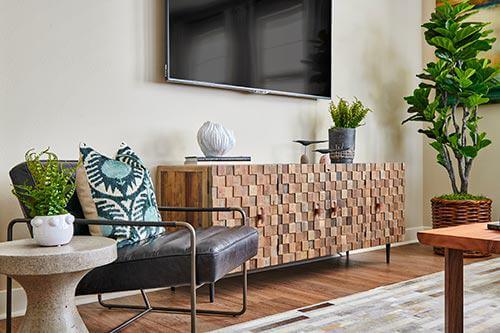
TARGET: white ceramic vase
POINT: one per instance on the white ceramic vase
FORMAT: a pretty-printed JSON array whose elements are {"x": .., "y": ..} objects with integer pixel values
[
  {"x": 215, "y": 140},
  {"x": 53, "y": 230}
]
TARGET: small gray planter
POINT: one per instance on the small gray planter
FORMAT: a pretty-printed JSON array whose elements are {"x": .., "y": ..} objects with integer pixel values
[{"x": 342, "y": 142}]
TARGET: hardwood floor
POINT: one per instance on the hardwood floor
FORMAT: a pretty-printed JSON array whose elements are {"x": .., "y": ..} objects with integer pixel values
[{"x": 273, "y": 291}]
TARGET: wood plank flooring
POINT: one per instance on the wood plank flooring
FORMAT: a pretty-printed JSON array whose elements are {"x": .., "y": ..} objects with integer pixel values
[{"x": 273, "y": 291}]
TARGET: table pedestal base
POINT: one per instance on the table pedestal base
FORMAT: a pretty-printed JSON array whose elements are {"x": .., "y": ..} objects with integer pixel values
[
  {"x": 454, "y": 291},
  {"x": 51, "y": 303}
]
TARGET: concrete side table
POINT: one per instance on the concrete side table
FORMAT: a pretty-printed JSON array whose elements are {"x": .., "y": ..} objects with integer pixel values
[{"x": 49, "y": 275}]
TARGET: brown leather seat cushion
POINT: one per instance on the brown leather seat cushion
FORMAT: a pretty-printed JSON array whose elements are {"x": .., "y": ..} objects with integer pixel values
[{"x": 164, "y": 261}]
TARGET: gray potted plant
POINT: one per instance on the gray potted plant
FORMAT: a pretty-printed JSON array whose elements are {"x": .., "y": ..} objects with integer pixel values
[
  {"x": 447, "y": 102},
  {"x": 342, "y": 135},
  {"x": 46, "y": 200}
]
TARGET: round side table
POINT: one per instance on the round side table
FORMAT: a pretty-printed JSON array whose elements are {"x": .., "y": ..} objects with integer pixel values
[{"x": 49, "y": 275}]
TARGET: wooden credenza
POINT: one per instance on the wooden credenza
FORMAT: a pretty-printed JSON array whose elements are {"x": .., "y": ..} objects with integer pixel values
[{"x": 302, "y": 211}]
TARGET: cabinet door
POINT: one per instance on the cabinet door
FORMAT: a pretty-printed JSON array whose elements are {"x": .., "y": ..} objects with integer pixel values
[
  {"x": 303, "y": 229},
  {"x": 183, "y": 186},
  {"x": 345, "y": 209},
  {"x": 386, "y": 217},
  {"x": 254, "y": 188},
  {"x": 369, "y": 200}
]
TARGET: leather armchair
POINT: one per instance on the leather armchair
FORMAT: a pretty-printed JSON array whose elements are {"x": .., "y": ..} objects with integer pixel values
[{"x": 183, "y": 257}]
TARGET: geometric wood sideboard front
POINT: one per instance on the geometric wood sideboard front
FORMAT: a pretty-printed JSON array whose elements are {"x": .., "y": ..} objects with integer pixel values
[{"x": 302, "y": 211}]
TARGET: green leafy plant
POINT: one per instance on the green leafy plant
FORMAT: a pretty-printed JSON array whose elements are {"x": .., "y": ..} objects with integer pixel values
[
  {"x": 53, "y": 185},
  {"x": 453, "y": 88},
  {"x": 348, "y": 115}
]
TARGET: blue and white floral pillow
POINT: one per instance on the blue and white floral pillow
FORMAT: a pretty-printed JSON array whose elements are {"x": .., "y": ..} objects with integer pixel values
[{"x": 117, "y": 189}]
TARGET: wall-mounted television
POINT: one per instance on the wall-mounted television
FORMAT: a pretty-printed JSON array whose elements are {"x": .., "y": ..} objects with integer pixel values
[{"x": 260, "y": 46}]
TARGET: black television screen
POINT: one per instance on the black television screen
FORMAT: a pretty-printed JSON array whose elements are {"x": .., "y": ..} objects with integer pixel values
[{"x": 262, "y": 46}]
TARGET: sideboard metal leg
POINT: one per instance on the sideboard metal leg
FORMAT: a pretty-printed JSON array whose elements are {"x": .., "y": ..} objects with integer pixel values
[
  {"x": 172, "y": 289},
  {"x": 212, "y": 292},
  {"x": 347, "y": 255},
  {"x": 8, "y": 318},
  {"x": 388, "y": 253}
]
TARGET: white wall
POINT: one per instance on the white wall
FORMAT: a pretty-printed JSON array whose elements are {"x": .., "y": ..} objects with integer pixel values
[
  {"x": 377, "y": 52},
  {"x": 91, "y": 70}
]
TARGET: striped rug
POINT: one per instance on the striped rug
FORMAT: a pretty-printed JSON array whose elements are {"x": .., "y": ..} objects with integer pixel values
[{"x": 411, "y": 306}]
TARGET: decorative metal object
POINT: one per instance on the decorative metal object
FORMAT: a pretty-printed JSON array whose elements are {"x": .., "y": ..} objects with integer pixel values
[
  {"x": 342, "y": 143},
  {"x": 304, "y": 159},
  {"x": 215, "y": 140}
]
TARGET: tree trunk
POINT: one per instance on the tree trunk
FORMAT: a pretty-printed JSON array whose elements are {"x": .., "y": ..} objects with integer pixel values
[{"x": 449, "y": 169}]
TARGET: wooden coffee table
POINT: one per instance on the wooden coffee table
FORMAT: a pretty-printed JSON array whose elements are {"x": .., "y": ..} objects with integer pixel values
[
  {"x": 455, "y": 240},
  {"x": 49, "y": 275}
]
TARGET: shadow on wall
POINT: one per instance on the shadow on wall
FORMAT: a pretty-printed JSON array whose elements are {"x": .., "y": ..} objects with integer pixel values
[
  {"x": 392, "y": 84},
  {"x": 167, "y": 144},
  {"x": 150, "y": 40},
  {"x": 10, "y": 208}
]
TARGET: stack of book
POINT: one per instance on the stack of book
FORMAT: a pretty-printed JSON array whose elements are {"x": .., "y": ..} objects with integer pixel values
[{"x": 202, "y": 160}]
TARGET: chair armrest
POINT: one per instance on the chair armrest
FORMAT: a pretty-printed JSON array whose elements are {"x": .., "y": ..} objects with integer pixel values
[
  {"x": 130, "y": 223},
  {"x": 173, "y": 224},
  {"x": 208, "y": 210},
  {"x": 10, "y": 227}
]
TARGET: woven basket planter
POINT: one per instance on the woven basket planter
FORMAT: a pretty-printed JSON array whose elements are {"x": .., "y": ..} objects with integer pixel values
[{"x": 449, "y": 213}]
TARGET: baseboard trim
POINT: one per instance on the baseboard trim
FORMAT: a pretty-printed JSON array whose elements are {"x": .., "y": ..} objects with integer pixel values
[
  {"x": 19, "y": 301},
  {"x": 19, "y": 296},
  {"x": 410, "y": 238}
]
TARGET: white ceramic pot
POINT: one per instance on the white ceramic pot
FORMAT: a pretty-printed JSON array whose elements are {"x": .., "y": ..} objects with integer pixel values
[
  {"x": 215, "y": 140},
  {"x": 53, "y": 230}
]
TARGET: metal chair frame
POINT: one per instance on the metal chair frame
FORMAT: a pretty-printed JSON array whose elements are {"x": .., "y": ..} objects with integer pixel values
[{"x": 147, "y": 307}]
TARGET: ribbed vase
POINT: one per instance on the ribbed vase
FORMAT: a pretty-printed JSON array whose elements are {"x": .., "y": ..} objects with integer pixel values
[{"x": 215, "y": 140}]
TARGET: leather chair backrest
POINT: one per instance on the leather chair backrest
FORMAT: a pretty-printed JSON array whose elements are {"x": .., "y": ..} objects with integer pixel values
[{"x": 20, "y": 175}]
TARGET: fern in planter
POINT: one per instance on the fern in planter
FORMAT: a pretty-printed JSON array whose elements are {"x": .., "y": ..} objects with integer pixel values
[
  {"x": 453, "y": 88},
  {"x": 342, "y": 135},
  {"x": 53, "y": 185},
  {"x": 348, "y": 115}
]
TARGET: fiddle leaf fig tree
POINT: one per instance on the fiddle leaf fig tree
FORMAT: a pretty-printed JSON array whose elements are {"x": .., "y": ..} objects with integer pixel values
[{"x": 453, "y": 88}]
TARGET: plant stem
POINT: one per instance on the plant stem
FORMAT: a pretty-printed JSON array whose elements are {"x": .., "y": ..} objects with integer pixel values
[{"x": 449, "y": 168}]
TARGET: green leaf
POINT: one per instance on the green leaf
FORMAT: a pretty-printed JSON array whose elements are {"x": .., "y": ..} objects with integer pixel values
[
  {"x": 415, "y": 117},
  {"x": 453, "y": 139},
  {"x": 441, "y": 160},
  {"x": 475, "y": 100},
  {"x": 428, "y": 25},
  {"x": 444, "y": 32},
  {"x": 425, "y": 77},
  {"x": 461, "y": 8},
  {"x": 484, "y": 143},
  {"x": 466, "y": 32},
  {"x": 430, "y": 111},
  {"x": 436, "y": 145},
  {"x": 443, "y": 55},
  {"x": 469, "y": 151},
  {"x": 464, "y": 74},
  {"x": 444, "y": 43}
]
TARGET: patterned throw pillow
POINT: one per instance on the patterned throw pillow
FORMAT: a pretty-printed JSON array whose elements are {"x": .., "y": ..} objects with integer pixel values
[{"x": 117, "y": 189}]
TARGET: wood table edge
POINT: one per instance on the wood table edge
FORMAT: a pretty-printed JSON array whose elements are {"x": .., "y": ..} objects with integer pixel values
[{"x": 464, "y": 243}]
